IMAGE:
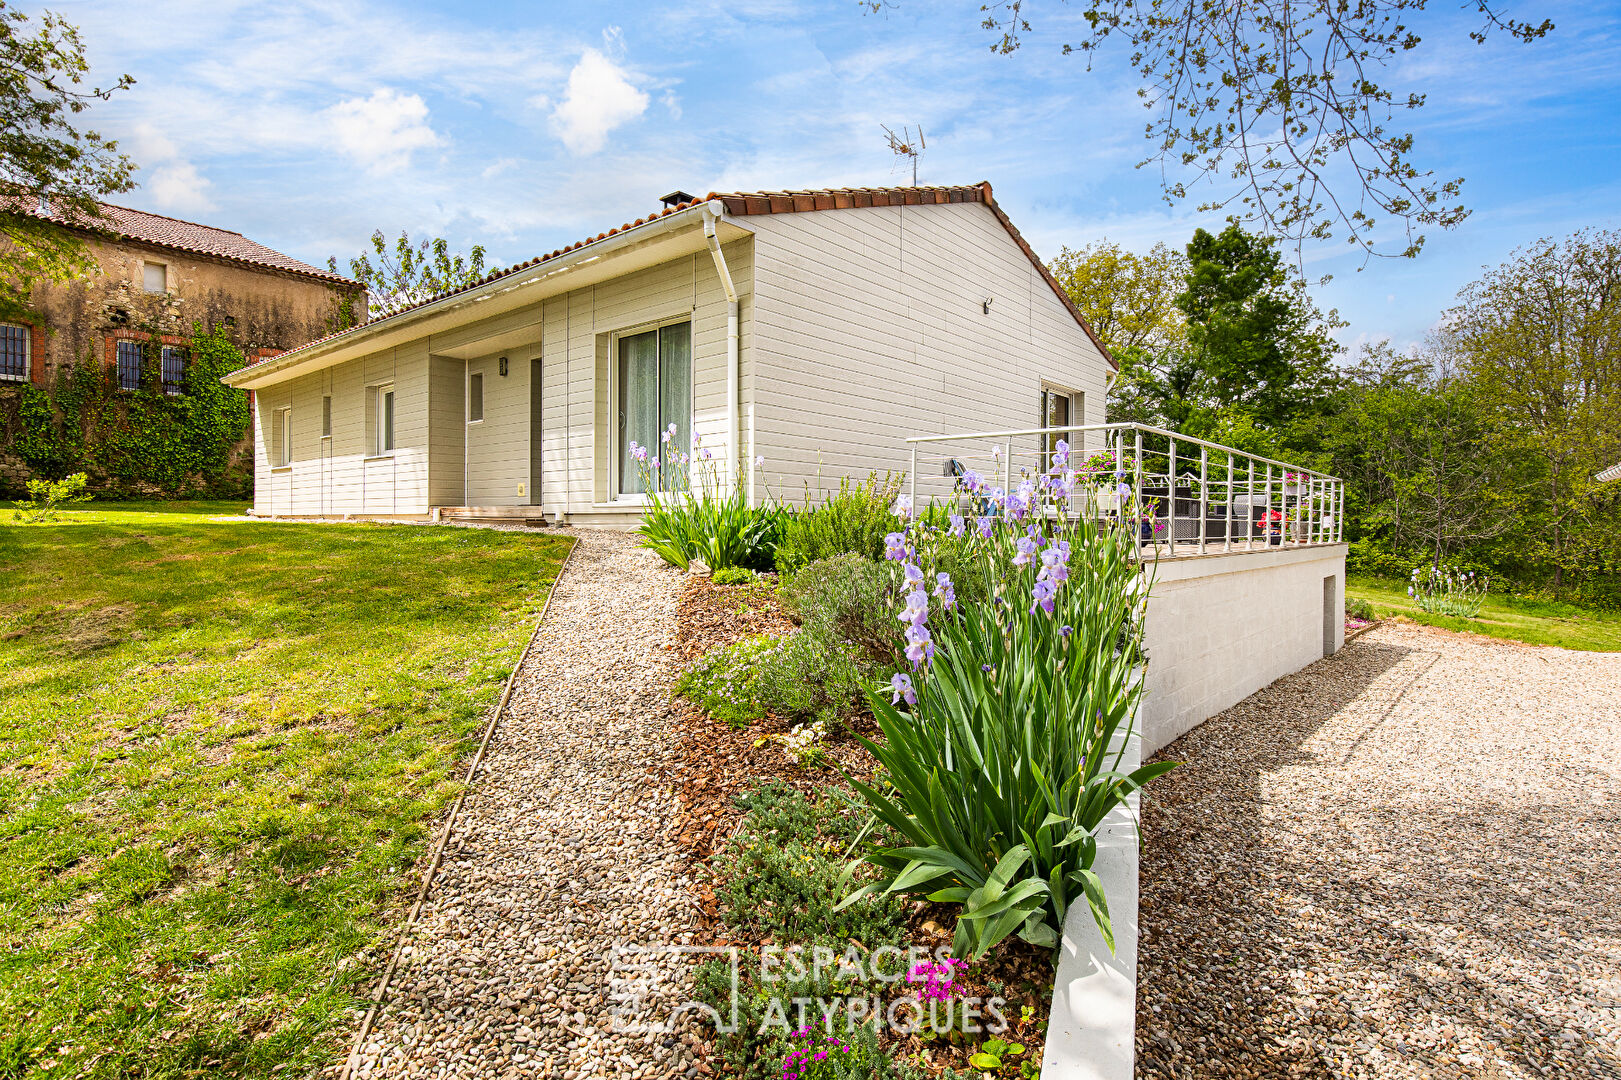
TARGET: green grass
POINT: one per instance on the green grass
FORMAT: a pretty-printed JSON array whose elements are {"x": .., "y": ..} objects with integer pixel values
[
  {"x": 1537, "y": 622},
  {"x": 222, "y": 750}
]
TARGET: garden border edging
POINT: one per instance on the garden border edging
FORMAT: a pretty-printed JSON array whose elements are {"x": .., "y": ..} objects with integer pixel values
[{"x": 1092, "y": 1025}]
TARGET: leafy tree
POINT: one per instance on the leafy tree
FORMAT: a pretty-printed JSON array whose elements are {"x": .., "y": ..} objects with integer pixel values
[
  {"x": 46, "y": 162},
  {"x": 1541, "y": 337},
  {"x": 1284, "y": 97},
  {"x": 1259, "y": 346},
  {"x": 411, "y": 273}
]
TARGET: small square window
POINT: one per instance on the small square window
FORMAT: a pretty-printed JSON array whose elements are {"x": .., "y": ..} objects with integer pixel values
[
  {"x": 15, "y": 342},
  {"x": 174, "y": 369},
  {"x": 129, "y": 365},
  {"x": 155, "y": 276},
  {"x": 475, "y": 397},
  {"x": 326, "y": 416}
]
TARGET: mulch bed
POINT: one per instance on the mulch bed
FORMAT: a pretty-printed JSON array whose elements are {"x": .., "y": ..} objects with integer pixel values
[{"x": 717, "y": 764}]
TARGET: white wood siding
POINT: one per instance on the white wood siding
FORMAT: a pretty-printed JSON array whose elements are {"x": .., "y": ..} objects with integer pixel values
[
  {"x": 341, "y": 475},
  {"x": 871, "y": 328}
]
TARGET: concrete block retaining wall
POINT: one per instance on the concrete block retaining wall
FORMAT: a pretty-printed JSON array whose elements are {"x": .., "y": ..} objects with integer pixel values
[{"x": 1221, "y": 627}]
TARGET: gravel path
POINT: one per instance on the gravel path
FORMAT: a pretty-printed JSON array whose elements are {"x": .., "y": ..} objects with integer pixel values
[
  {"x": 560, "y": 853},
  {"x": 1399, "y": 862}
]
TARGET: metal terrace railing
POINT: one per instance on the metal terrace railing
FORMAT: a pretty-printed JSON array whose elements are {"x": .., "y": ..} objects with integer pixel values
[{"x": 1189, "y": 496}]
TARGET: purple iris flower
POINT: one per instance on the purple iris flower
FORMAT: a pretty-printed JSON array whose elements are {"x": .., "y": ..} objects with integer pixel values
[
  {"x": 638, "y": 452},
  {"x": 894, "y": 546},
  {"x": 1026, "y": 549},
  {"x": 971, "y": 481},
  {"x": 1060, "y": 454},
  {"x": 1066, "y": 630},
  {"x": 900, "y": 685},
  {"x": 1123, "y": 490},
  {"x": 985, "y": 525},
  {"x": 917, "y": 608},
  {"x": 957, "y": 525},
  {"x": 945, "y": 590},
  {"x": 919, "y": 645},
  {"x": 903, "y": 507},
  {"x": 1043, "y": 592},
  {"x": 914, "y": 574},
  {"x": 653, "y": 461}
]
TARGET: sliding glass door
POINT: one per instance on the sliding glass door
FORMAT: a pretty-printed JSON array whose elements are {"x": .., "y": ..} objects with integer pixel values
[{"x": 653, "y": 389}]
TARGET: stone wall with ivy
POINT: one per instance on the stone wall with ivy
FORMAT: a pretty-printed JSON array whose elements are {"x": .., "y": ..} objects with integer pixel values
[{"x": 134, "y": 443}]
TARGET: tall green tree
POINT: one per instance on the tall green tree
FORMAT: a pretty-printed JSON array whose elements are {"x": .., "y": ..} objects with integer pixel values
[
  {"x": 52, "y": 174},
  {"x": 1541, "y": 337},
  {"x": 1261, "y": 345},
  {"x": 408, "y": 273}
]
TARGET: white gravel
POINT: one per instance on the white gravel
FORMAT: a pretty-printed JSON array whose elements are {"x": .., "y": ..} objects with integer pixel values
[
  {"x": 1399, "y": 862},
  {"x": 559, "y": 855}
]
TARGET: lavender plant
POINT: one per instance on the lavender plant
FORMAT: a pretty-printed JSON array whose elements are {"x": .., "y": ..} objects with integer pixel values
[{"x": 1003, "y": 742}]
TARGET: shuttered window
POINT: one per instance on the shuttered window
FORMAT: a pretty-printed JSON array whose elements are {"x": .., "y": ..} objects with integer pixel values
[{"x": 14, "y": 358}]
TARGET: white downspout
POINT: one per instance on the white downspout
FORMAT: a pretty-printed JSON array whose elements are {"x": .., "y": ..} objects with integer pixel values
[{"x": 733, "y": 348}]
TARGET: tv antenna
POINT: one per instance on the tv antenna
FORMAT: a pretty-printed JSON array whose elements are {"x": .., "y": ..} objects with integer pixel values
[{"x": 902, "y": 146}]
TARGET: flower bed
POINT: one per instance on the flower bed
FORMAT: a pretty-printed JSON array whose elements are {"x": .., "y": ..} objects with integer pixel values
[{"x": 914, "y": 771}]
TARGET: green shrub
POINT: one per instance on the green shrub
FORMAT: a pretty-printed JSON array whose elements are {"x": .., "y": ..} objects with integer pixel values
[
  {"x": 798, "y": 676},
  {"x": 47, "y": 497},
  {"x": 854, "y": 520},
  {"x": 780, "y": 875},
  {"x": 1358, "y": 607},
  {"x": 732, "y": 575},
  {"x": 847, "y": 599}
]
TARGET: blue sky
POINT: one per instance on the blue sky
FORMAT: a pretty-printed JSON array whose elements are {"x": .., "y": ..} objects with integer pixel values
[{"x": 527, "y": 126}]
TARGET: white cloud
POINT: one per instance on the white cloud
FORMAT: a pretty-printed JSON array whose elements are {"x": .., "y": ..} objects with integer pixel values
[
  {"x": 177, "y": 185},
  {"x": 383, "y": 130},
  {"x": 599, "y": 98}
]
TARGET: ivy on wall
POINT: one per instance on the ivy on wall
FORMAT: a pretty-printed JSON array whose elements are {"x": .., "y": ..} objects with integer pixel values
[{"x": 141, "y": 442}]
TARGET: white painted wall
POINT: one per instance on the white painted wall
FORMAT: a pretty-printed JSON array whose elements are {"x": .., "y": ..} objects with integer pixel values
[
  {"x": 870, "y": 327},
  {"x": 1220, "y": 627},
  {"x": 341, "y": 475}
]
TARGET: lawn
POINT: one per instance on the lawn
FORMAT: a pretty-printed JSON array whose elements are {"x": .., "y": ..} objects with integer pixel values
[
  {"x": 223, "y": 747},
  {"x": 1537, "y": 622}
]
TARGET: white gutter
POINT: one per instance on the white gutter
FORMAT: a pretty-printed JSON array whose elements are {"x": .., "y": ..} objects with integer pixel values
[
  {"x": 529, "y": 276},
  {"x": 713, "y": 211}
]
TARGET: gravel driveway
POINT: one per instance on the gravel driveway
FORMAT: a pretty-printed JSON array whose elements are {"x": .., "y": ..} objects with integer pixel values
[
  {"x": 1399, "y": 862},
  {"x": 560, "y": 853}
]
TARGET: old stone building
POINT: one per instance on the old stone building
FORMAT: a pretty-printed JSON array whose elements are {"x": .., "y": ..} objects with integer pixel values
[{"x": 159, "y": 280}]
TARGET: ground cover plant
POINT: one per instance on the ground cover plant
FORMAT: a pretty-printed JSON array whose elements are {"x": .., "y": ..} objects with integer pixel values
[
  {"x": 1532, "y": 620},
  {"x": 224, "y": 745}
]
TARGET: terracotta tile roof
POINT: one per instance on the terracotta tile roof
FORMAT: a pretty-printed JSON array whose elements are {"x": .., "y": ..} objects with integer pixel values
[
  {"x": 188, "y": 236},
  {"x": 744, "y": 203}
]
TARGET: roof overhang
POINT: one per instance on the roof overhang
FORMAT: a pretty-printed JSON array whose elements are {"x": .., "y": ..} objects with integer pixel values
[{"x": 659, "y": 240}]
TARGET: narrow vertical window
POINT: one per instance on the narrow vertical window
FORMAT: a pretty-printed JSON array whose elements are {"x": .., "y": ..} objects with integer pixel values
[
  {"x": 14, "y": 357},
  {"x": 129, "y": 365},
  {"x": 385, "y": 419},
  {"x": 475, "y": 397},
  {"x": 155, "y": 277},
  {"x": 284, "y": 437},
  {"x": 326, "y": 416},
  {"x": 174, "y": 369}
]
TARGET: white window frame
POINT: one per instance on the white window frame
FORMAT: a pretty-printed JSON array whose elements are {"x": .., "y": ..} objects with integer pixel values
[
  {"x": 637, "y": 498},
  {"x": 384, "y": 437},
  {"x": 1077, "y": 408},
  {"x": 471, "y": 377},
  {"x": 146, "y": 285},
  {"x": 28, "y": 354},
  {"x": 283, "y": 444}
]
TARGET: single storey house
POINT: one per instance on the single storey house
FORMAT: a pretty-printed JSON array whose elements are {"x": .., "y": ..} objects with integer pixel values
[{"x": 809, "y": 331}]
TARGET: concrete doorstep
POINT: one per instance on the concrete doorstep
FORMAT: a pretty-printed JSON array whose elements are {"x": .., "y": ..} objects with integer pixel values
[{"x": 1092, "y": 1028}]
